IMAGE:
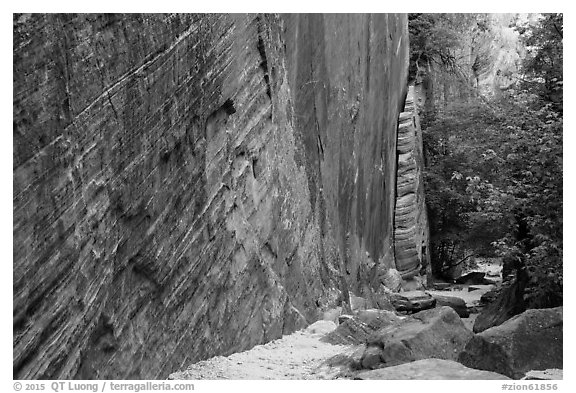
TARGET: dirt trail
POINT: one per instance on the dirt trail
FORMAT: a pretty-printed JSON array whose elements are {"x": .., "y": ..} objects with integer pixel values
[{"x": 300, "y": 355}]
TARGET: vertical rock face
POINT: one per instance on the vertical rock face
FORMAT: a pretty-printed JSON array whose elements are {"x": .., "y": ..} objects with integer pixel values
[
  {"x": 410, "y": 218},
  {"x": 188, "y": 186},
  {"x": 348, "y": 80}
]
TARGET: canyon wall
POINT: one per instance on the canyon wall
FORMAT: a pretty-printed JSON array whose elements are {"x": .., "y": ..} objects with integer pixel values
[
  {"x": 486, "y": 61},
  {"x": 187, "y": 186},
  {"x": 348, "y": 82}
]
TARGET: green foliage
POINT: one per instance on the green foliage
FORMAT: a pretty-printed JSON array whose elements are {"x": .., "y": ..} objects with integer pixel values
[
  {"x": 494, "y": 172},
  {"x": 457, "y": 159},
  {"x": 543, "y": 70},
  {"x": 449, "y": 42},
  {"x": 527, "y": 194}
]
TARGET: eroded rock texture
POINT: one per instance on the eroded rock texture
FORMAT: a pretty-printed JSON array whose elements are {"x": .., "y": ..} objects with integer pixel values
[
  {"x": 410, "y": 220},
  {"x": 193, "y": 185},
  {"x": 434, "y": 333}
]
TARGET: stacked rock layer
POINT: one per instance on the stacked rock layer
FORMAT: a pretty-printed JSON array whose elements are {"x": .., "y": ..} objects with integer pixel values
[{"x": 410, "y": 219}]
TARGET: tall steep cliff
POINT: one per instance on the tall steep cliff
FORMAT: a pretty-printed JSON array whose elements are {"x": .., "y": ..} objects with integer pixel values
[{"x": 193, "y": 185}]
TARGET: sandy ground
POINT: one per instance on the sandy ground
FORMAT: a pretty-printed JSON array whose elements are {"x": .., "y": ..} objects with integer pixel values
[{"x": 300, "y": 355}]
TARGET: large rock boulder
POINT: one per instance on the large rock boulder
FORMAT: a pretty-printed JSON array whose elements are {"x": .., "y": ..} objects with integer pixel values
[
  {"x": 376, "y": 319},
  {"x": 442, "y": 286},
  {"x": 529, "y": 341},
  {"x": 436, "y": 333},
  {"x": 321, "y": 327},
  {"x": 355, "y": 329},
  {"x": 456, "y": 303},
  {"x": 490, "y": 296},
  {"x": 429, "y": 369},
  {"x": 412, "y": 301},
  {"x": 508, "y": 302},
  {"x": 350, "y": 331}
]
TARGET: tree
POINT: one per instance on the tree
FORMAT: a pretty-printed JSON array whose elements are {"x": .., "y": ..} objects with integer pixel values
[
  {"x": 457, "y": 154},
  {"x": 542, "y": 67},
  {"x": 494, "y": 170},
  {"x": 527, "y": 194}
]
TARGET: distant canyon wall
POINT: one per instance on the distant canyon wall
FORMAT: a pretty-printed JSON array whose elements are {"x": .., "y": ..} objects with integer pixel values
[
  {"x": 187, "y": 186},
  {"x": 486, "y": 63}
]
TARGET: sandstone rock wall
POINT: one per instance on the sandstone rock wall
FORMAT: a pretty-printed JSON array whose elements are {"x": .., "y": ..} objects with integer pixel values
[
  {"x": 411, "y": 234},
  {"x": 187, "y": 186},
  {"x": 346, "y": 105}
]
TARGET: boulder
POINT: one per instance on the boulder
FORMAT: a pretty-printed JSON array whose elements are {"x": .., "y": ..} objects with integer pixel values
[
  {"x": 371, "y": 358},
  {"x": 508, "y": 302},
  {"x": 355, "y": 358},
  {"x": 412, "y": 301},
  {"x": 442, "y": 286},
  {"x": 355, "y": 329},
  {"x": 456, "y": 303},
  {"x": 548, "y": 374},
  {"x": 429, "y": 369},
  {"x": 490, "y": 296},
  {"x": 350, "y": 331},
  {"x": 376, "y": 319},
  {"x": 529, "y": 341},
  {"x": 437, "y": 333},
  {"x": 474, "y": 310},
  {"x": 321, "y": 327},
  {"x": 345, "y": 363}
]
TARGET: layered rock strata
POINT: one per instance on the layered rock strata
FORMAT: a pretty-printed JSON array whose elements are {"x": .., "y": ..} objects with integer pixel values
[
  {"x": 410, "y": 219},
  {"x": 187, "y": 186}
]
